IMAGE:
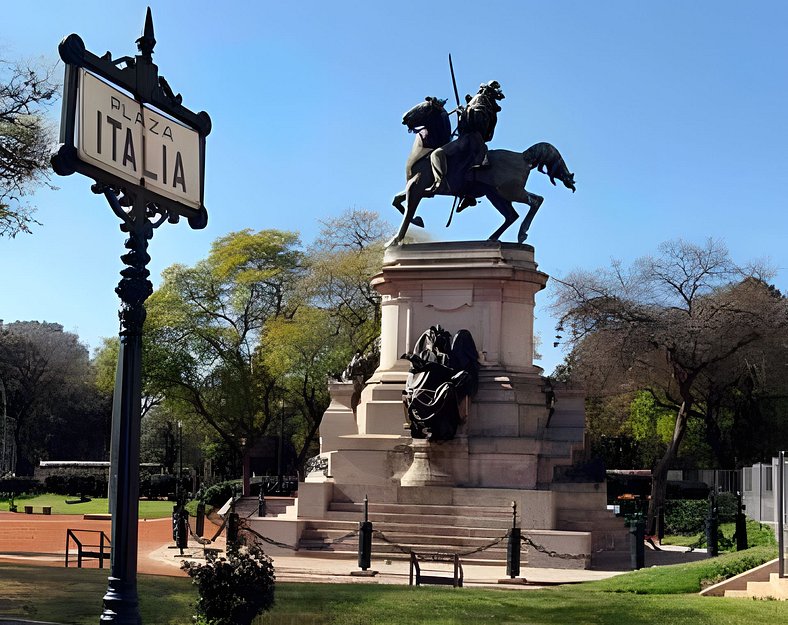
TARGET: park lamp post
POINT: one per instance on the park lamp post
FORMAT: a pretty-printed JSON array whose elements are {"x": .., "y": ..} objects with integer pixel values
[{"x": 123, "y": 126}]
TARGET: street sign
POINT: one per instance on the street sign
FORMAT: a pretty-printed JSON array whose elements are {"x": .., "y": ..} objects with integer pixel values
[
  {"x": 123, "y": 126},
  {"x": 134, "y": 142}
]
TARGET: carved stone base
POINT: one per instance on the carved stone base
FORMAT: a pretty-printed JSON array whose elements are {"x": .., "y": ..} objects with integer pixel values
[{"x": 424, "y": 471}]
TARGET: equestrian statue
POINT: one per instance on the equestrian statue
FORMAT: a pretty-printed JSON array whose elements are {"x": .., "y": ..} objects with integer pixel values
[{"x": 459, "y": 164}]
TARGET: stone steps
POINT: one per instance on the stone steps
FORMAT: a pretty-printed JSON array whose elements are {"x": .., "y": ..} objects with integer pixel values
[
  {"x": 434, "y": 528},
  {"x": 274, "y": 506},
  {"x": 425, "y": 510},
  {"x": 775, "y": 588},
  {"x": 329, "y": 530},
  {"x": 423, "y": 520}
]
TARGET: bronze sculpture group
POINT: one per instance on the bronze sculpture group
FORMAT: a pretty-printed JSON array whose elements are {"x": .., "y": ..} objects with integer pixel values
[
  {"x": 444, "y": 372},
  {"x": 463, "y": 166}
]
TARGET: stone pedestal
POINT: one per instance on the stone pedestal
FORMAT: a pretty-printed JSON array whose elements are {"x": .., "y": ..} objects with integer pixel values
[
  {"x": 488, "y": 288},
  {"x": 424, "y": 470},
  {"x": 509, "y": 443}
]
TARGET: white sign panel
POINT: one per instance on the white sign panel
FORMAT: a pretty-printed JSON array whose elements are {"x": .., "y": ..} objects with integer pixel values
[{"x": 120, "y": 135}]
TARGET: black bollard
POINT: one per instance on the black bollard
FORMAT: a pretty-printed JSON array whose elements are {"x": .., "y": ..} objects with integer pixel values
[
  {"x": 637, "y": 532},
  {"x": 741, "y": 524},
  {"x": 513, "y": 547},
  {"x": 232, "y": 528},
  {"x": 180, "y": 532},
  {"x": 261, "y": 502},
  {"x": 200, "y": 522},
  {"x": 365, "y": 539},
  {"x": 513, "y": 553},
  {"x": 712, "y": 527}
]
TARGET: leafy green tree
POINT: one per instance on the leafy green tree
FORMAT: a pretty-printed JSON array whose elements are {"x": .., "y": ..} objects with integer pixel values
[
  {"x": 303, "y": 352},
  {"x": 684, "y": 326},
  {"x": 51, "y": 394},
  {"x": 26, "y": 140},
  {"x": 204, "y": 327},
  {"x": 345, "y": 257}
]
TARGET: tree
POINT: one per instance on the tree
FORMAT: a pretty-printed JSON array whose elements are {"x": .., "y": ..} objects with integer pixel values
[
  {"x": 26, "y": 140},
  {"x": 687, "y": 326},
  {"x": 346, "y": 255},
  {"x": 51, "y": 394},
  {"x": 203, "y": 332}
]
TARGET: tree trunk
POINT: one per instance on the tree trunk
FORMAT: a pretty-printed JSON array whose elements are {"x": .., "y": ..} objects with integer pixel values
[{"x": 659, "y": 476}]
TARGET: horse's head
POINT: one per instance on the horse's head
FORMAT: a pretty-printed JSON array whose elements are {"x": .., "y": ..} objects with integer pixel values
[
  {"x": 420, "y": 114},
  {"x": 569, "y": 181}
]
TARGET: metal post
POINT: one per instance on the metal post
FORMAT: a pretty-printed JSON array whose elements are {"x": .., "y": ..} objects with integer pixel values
[
  {"x": 637, "y": 532},
  {"x": 781, "y": 515},
  {"x": 200, "y": 522},
  {"x": 513, "y": 547},
  {"x": 741, "y": 523},
  {"x": 121, "y": 602},
  {"x": 178, "y": 485},
  {"x": 261, "y": 502},
  {"x": 279, "y": 484},
  {"x": 365, "y": 539},
  {"x": 712, "y": 527}
]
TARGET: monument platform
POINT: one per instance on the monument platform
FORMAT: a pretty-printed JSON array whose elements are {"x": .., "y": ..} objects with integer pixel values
[{"x": 516, "y": 429}]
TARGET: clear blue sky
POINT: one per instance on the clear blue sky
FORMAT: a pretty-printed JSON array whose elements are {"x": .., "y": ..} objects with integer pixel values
[{"x": 672, "y": 115}]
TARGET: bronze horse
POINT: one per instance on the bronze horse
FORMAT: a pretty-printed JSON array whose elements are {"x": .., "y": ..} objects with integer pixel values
[{"x": 502, "y": 182}]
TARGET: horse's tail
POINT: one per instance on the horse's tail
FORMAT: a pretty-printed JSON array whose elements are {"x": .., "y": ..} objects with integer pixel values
[{"x": 548, "y": 160}]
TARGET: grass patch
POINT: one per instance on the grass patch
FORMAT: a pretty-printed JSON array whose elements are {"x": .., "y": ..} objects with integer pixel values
[
  {"x": 757, "y": 535},
  {"x": 73, "y": 597},
  {"x": 149, "y": 509},
  {"x": 685, "y": 578}
]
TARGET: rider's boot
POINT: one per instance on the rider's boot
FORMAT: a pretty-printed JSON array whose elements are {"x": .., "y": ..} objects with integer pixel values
[{"x": 439, "y": 186}]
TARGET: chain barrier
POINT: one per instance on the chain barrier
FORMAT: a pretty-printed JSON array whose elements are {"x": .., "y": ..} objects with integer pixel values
[
  {"x": 282, "y": 545},
  {"x": 200, "y": 539},
  {"x": 405, "y": 550},
  {"x": 408, "y": 550},
  {"x": 551, "y": 553}
]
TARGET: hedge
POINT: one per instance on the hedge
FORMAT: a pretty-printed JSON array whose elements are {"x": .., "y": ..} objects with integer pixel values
[
  {"x": 688, "y": 516},
  {"x": 20, "y": 485},
  {"x": 218, "y": 494}
]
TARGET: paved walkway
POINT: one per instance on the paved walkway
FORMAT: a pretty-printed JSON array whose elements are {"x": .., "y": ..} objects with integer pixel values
[{"x": 42, "y": 539}]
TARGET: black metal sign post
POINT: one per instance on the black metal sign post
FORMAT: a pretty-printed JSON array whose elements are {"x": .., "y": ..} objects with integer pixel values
[{"x": 146, "y": 154}]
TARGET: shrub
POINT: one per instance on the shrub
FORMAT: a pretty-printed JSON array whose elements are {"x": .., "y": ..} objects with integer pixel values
[
  {"x": 19, "y": 485},
  {"x": 218, "y": 494},
  {"x": 77, "y": 482},
  {"x": 688, "y": 516},
  {"x": 234, "y": 589}
]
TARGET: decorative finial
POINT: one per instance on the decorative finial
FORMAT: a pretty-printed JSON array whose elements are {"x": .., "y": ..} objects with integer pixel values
[{"x": 147, "y": 42}]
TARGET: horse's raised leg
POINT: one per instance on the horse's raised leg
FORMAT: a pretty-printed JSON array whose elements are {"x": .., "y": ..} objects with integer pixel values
[
  {"x": 534, "y": 202},
  {"x": 397, "y": 203},
  {"x": 413, "y": 196},
  {"x": 506, "y": 209}
]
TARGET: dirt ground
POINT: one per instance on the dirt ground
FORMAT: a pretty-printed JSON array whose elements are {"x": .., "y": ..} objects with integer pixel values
[{"x": 41, "y": 539}]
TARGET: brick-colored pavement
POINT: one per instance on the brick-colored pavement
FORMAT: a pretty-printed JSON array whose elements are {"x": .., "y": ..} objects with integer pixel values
[{"x": 41, "y": 539}]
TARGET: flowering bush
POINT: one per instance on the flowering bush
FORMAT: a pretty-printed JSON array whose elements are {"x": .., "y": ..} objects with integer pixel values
[{"x": 235, "y": 588}]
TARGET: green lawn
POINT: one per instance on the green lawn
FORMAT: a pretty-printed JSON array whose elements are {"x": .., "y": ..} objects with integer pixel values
[
  {"x": 148, "y": 509},
  {"x": 757, "y": 535},
  {"x": 655, "y": 595}
]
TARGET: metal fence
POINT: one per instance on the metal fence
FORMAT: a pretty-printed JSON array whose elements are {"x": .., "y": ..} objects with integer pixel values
[{"x": 718, "y": 480}]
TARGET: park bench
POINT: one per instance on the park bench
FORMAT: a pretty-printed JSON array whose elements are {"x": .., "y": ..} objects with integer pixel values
[
  {"x": 417, "y": 568},
  {"x": 44, "y": 509},
  {"x": 100, "y": 550}
]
